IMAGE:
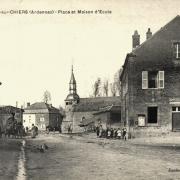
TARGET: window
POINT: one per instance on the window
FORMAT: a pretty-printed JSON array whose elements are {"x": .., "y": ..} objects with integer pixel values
[
  {"x": 176, "y": 109},
  {"x": 176, "y": 50},
  {"x": 173, "y": 108},
  {"x": 152, "y": 115},
  {"x": 152, "y": 79}
]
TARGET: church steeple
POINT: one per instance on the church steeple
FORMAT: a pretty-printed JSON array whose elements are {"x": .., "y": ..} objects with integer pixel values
[
  {"x": 72, "y": 83},
  {"x": 72, "y": 97}
]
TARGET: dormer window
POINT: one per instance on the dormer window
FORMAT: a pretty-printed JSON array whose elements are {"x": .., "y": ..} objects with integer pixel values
[{"x": 176, "y": 50}]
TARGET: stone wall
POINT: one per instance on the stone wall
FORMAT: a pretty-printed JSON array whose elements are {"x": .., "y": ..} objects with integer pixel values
[{"x": 77, "y": 118}]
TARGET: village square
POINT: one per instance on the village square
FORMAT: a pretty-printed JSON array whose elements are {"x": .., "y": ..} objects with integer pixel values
[{"x": 85, "y": 126}]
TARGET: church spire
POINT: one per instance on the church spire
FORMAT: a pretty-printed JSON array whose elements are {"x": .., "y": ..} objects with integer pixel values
[
  {"x": 72, "y": 83},
  {"x": 72, "y": 96}
]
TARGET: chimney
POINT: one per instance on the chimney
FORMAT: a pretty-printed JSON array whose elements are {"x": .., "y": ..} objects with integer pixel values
[
  {"x": 135, "y": 39},
  {"x": 17, "y": 104},
  {"x": 148, "y": 34},
  {"x": 28, "y": 104}
]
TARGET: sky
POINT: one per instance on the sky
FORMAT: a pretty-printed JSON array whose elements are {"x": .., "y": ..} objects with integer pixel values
[{"x": 37, "y": 51}]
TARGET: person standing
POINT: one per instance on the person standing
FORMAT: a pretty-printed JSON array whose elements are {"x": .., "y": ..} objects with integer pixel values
[
  {"x": 124, "y": 133},
  {"x": 119, "y": 133},
  {"x": 33, "y": 131},
  {"x": 97, "y": 131},
  {"x": 100, "y": 131}
]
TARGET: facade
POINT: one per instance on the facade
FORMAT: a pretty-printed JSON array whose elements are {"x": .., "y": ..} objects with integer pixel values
[
  {"x": 42, "y": 115},
  {"x": 7, "y": 112},
  {"x": 151, "y": 83},
  {"x": 81, "y": 111},
  {"x": 109, "y": 116}
]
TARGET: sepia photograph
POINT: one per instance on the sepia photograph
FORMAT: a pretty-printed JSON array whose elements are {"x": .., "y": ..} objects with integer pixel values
[{"x": 89, "y": 90}]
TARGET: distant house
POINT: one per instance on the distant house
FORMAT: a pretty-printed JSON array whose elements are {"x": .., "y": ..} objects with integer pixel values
[
  {"x": 41, "y": 115},
  {"x": 7, "y": 112},
  {"x": 151, "y": 82},
  {"x": 81, "y": 111}
]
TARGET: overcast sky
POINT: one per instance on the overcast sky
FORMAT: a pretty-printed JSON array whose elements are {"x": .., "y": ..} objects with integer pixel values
[{"x": 37, "y": 51}]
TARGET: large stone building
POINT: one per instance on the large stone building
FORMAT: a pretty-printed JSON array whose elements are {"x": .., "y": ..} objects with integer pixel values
[
  {"x": 42, "y": 115},
  {"x": 151, "y": 82},
  {"x": 83, "y": 111}
]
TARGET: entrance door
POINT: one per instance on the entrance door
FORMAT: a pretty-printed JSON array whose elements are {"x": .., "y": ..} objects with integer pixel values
[{"x": 176, "y": 119}]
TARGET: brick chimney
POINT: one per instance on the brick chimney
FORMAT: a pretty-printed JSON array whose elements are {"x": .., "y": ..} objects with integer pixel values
[
  {"x": 135, "y": 39},
  {"x": 28, "y": 104},
  {"x": 148, "y": 34}
]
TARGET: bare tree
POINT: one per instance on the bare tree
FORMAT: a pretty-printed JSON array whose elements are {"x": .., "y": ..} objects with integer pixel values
[
  {"x": 116, "y": 85},
  {"x": 106, "y": 87},
  {"x": 96, "y": 87},
  {"x": 113, "y": 89},
  {"x": 47, "y": 97}
]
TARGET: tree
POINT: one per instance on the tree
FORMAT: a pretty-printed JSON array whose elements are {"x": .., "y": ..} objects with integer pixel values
[
  {"x": 96, "y": 87},
  {"x": 47, "y": 97},
  {"x": 113, "y": 89},
  {"x": 116, "y": 85},
  {"x": 117, "y": 81},
  {"x": 61, "y": 110},
  {"x": 106, "y": 87}
]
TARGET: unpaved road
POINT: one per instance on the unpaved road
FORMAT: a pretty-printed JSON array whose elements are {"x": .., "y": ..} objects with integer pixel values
[
  {"x": 72, "y": 158},
  {"x": 9, "y": 153}
]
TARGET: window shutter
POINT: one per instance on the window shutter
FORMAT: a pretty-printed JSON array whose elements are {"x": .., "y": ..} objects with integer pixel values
[
  {"x": 144, "y": 79},
  {"x": 161, "y": 79}
]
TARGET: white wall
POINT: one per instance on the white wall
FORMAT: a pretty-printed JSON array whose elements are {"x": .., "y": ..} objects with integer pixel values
[{"x": 28, "y": 120}]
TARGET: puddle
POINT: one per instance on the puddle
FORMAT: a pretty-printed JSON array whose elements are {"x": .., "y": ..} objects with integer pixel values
[{"x": 21, "y": 175}]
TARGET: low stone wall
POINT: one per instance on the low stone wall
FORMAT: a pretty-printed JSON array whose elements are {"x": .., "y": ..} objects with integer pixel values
[{"x": 153, "y": 131}]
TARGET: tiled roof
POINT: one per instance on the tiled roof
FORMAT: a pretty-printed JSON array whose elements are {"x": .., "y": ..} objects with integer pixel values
[
  {"x": 157, "y": 49},
  {"x": 94, "y": 104},
  {"x": 9, "y": 109},
  {"x": 109, "y": 108},
  {"x": 41, "y": 106}
]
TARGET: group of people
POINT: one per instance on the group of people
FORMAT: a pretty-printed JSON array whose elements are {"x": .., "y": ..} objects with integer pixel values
[{"x": 111, "y": 133}]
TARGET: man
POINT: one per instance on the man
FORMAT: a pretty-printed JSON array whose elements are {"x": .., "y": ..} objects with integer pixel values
[
  {"x": 36, "y": 130},
  {"x": 33, "y": 131}
]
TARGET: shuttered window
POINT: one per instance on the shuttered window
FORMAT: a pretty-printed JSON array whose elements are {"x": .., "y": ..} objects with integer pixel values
[
  {"x": 161, "y": 79},
  {"x": 144, "y": 79},
  {"x": 176, "y": 50},
  {"x": 152, "y": 79}
]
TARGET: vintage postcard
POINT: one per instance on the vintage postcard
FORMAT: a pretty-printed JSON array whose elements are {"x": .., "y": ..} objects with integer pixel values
[{"x": 89, "y": 89}]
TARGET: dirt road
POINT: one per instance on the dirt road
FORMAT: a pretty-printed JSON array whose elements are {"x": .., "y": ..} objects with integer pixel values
[
  {"x": 82, "y": 158},
  {"x": 9, "y": 153}
]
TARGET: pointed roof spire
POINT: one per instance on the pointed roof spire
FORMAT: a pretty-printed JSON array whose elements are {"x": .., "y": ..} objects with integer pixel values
[
  {"x": 72, "y": 80},
  {"x": 72, "y": 67},
  {"x": 72, "y": 96}
]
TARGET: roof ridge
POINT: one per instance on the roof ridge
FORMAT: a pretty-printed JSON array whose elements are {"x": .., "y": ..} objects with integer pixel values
[{"x": 162, "y": 28}]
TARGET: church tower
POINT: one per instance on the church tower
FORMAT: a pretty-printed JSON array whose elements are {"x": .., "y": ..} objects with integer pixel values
[{"x": 72, "y": 98}]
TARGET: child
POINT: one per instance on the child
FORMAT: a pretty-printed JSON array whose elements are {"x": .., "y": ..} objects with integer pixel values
[{"x": 119, "y": 133}]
